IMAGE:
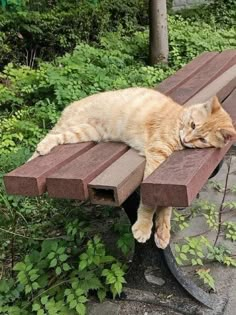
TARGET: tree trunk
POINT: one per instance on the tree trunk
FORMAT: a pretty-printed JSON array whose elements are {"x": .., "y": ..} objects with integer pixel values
[{"x": 158, "y": 35}]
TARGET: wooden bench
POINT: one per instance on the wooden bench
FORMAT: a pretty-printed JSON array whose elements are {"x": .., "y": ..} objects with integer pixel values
[{"x": 110, "y": 173}]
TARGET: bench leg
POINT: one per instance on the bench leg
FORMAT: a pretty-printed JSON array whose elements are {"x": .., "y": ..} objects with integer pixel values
[{"x": 148, "y": 254}]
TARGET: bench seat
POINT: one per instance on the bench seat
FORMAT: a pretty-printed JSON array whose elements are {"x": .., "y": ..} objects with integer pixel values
[{"x": 108, "y": 173}]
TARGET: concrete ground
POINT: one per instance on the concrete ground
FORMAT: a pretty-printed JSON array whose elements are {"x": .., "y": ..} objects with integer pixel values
[{"x": 146, "y": 302}]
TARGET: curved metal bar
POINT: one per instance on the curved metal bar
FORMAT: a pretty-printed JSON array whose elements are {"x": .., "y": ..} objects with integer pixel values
[{"x": 165, "y": 258}]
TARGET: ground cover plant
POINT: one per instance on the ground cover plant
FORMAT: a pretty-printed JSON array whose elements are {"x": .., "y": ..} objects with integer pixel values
[{"x": 51, "y": 257}]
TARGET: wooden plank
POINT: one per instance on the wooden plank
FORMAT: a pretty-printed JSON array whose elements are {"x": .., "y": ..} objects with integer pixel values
[
  {"x": 228, "y": 105},
  {"x": 182, "y": 75},
  {"x": 30, "y": 178},
  {"x": 178, "y": 180},
  {"x": 208, "y": 73},
  {"x": 71, "y": 180},
  {"x": 114, "y": 185},
  {"x": 222, "y": 87}
]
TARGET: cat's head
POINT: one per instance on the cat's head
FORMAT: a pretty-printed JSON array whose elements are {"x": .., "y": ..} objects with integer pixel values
[{"x": 206, "y": 125}]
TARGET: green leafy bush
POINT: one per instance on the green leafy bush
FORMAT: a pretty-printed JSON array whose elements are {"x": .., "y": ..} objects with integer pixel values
[
  {"x": 51, "y": 30},
  {"x": 188, "y": 39}
]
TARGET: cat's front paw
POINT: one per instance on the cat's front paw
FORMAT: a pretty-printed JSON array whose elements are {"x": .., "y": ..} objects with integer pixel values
[
  {"x": 43, "y": 149},
  {"x": 162, "y": 236},
  {"x": 142, "y": 231}
]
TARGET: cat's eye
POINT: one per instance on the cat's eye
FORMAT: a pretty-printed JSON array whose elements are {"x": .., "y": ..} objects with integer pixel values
[
  {"x": 202, "y": 140},
  {"x": 193, "y": 126}
]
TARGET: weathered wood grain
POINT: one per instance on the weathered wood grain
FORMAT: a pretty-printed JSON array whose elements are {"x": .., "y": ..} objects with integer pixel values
[
  {"x": 182, "y": 75},
  {"x": 114, "y": 185},
  {"x": 230, "y": 105},
  {"x": 221, "y": 86},
  {"x": 30, "y": 178},
  {"x": 208, "y": 73},
  {"x": 71, "y": 180}
]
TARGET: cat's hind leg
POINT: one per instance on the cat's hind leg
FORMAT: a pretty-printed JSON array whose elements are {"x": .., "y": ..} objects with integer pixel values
[
  {"x": 163, "y": 226},
  {"x": 82, "y": 133}
]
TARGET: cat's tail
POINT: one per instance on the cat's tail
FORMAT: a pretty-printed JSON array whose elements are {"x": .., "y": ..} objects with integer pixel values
[{"x": 83, "y": 133}]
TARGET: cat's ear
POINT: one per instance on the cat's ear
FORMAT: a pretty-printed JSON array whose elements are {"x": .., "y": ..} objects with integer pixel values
[
  {"x": 228, "y": 134},
  {"x": 212, "y": 105}
]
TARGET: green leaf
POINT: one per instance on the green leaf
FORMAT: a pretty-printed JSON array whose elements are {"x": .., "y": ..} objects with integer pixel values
[
  {"x": 183, "y": 256},
  {"x": 20, "y": 266},
  {"x": 179, "y": 261},
  {"x": 177, "y": 248},
  {"x": 81, "y": 309},
  {"x": 35, "y": 285},
  {"x": 118, "y": 287},
  {"x": 101, "y": 294},
  {"x": 72, "y": 304},
  {"x": 185, "y": 248},
  {"x": 83, "y": 256},
  {"x": 63, "y": 257},
  {"x": 67, "y": 291},
  {"x": 28, "y": 289},
  {"x": 70, "y": 297},
  {"x": 82, "y": 265},
  {"x": 79, "y": 292},
  {"x": 200, "y": 254},
  {"x": 82, "y": 299},
  {"x": 40, "y": 312},
  {"x": 44, "y": 299},
  {"x": 36, "y": 307},
  {"x": 58, "y": 271},
  {"x": 66, "y": 267},
  {"x": 110, "y": 279},
  {"x": 51, "y": 255},
  {"x": 53, "y": 263},
  {"x": 61, "y": 250},
  {"x": 199, "y": 261},
  {"x": 34, "y": 277}
]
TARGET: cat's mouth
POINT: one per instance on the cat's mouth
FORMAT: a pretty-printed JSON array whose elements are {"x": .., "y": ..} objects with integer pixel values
[{"x": 183, "y": 143}]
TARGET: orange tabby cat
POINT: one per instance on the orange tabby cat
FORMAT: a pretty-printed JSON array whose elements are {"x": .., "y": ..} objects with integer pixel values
[{"x": 149, "y": 122}]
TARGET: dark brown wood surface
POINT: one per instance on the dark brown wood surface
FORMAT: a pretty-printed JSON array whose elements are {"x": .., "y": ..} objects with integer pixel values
[
  {"x": 182, "y": 75},
  {"x": 229, "y": 103},
  {"x": 71, "y": 180},
  {"x": 221, "y": 86},
  {"x": 178, "y": 180},
  {"x": 30, "y": 178},
  {"x": 114, "y": 185},
  {"x": 208, "y": 73}
]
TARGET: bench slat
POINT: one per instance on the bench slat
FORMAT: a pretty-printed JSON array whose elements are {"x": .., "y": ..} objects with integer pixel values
[
  {"x": 182, "y": 75},
  {"x": 71, "y": 180},
  {"x": 30, "y": 178},
  {"x": 222, "y": 86},
  {"x": 208, "y": 73},
  {"x": 228, "y": 105},
  {"x": 114, "y": 185},
  {"x": 178, "y": 180}
]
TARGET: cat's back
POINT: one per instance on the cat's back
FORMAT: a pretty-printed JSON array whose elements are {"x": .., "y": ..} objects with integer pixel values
[{"x": 117, "y": 102}]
